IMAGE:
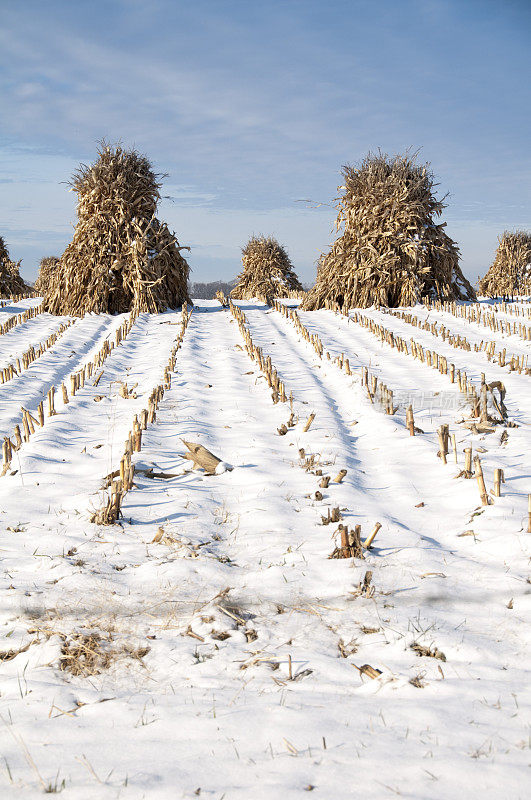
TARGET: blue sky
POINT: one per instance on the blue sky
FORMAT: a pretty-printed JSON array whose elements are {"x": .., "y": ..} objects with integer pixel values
[{"x": 253, "y": 107}]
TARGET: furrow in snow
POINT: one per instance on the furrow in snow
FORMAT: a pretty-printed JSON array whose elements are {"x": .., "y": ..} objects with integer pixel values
[
  {"x": 75, "y": 348},
  {"x": 64, "y": 463},
  {"x": 22, "y": 337},
  {"x": 441, "y": 404}
]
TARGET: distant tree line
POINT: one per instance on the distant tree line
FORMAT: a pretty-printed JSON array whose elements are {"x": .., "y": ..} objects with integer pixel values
[{"x": 206, "y": 291}]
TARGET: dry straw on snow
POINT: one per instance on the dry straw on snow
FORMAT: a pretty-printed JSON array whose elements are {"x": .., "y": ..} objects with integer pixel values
[
  {"x": 267, "y": 271},
  {"x": 510, "y": 272},
  {"x": 10, "y": 281},
  {"x": 47, "y": 270},
  {"x": 122, "y": 258},
  {"x": 391, "y": 252}
]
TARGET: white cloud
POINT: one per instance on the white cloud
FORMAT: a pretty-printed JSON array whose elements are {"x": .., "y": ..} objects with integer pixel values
[{"x": 250, "y": 107}]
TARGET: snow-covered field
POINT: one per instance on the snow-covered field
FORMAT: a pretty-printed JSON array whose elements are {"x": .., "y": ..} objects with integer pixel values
[{"x": 206, "y": 645}]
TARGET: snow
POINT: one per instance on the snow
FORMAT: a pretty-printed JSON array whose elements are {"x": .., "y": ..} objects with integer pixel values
[{"x": 235, "y": 643}]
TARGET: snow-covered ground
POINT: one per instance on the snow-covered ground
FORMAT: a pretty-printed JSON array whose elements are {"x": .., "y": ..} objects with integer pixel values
[{"x": 206, "y": 645}]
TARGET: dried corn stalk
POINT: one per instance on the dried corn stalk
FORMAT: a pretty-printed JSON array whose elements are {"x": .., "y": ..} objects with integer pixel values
[
  {"x": 10, "y": 281},
  {"x": 391, "y": 252},
  {"x": 267, "y": 271},
  {"x": 122, "y": 258},
  {"x": 510, "y": 272},
  {"x": 47, "y": 269}
]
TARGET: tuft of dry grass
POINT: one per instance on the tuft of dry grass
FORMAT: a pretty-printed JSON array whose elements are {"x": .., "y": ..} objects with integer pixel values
[
  {"x": 90, "y": 653},
  {"x": 429, "y": 652},
  {"x": 418, "y": 681}
]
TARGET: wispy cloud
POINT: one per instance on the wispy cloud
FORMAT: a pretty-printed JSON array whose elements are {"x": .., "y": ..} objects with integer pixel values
[{"x": 251, "y": 107}]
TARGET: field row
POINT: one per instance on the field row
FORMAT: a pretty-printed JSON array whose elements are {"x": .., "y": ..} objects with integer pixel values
[{"x": 230, "y": 593}]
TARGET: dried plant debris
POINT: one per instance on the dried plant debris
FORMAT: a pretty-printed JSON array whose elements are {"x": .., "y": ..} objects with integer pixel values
[
  {"x": 122, "y": 258},
  {"x": 267, "y": 272},
  {"x": 366, "y": 669},
  {"x": 10, "y": 281},
  {"x": 9, "y": 655},
  {"x": 391, "y": 251},
  {"x": 348, "y": 649},
  {"x": 418, "y": 681},
  {"x": 47, "y": 270},
  {"x": 220, "y": 636},
  {"x": 90, "y": 653},
  {"x": 429, "y": 652},
  {"x": 303, "y": 673},
  {"x": 365, "y": 588},
  {"x": 332, "y": 515},
  {"x": 510, "y": 272},
  {"x": 351, "y": 546},
  {"x": 125, "y": 391}
]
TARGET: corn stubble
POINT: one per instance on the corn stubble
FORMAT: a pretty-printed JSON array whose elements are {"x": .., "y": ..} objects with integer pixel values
[
  {"x": 391, "y": 251},
  {"x": 122, "y": 257}
]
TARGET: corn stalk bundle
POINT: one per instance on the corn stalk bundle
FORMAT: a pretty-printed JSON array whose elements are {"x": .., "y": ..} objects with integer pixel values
[
  {"x": 121, "y": 258},
  {"x": 510, "y": 272},
  {"x": 390, "y": 252},
  {"x": 267, "y": 271},
  {"x": 10, "y": 281},
  {"x": 47, "y": 269}
]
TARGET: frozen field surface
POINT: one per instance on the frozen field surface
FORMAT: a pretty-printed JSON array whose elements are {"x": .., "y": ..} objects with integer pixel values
[{"x": 205, "y": 644}]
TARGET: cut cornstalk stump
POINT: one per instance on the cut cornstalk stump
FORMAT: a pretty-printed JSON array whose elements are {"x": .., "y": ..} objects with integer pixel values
[
  {"x": 499, "y": 478},
  {"x": 443, "y": 436},
  {"x": 454, "y": 446},
  {"x": 309, "y": 422},
  {"x": 350, "y": 543},
  {"x": 370, "y": 539},
  {"x": 468, "y": 463},
  {"x": 201, "y": 457},
  {"x": 335, "y": 514},
  {"x": 481, "y": 481},
  {"x": 410, "y": 421}
]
